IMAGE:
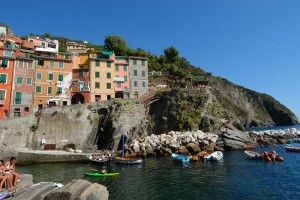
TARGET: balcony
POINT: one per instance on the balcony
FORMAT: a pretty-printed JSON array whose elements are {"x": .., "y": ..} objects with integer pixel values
[
  {"x": 84, "y": 89},
  {"x": 2, "y": 102}
]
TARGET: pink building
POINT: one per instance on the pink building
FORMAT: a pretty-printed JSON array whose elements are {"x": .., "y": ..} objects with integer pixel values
[{"x": 121, "y": 80}]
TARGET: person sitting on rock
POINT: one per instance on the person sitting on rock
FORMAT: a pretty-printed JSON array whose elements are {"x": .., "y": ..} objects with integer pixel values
[
  {"x": 5, "y": 177},
  {"x": 10, "y": 169}
]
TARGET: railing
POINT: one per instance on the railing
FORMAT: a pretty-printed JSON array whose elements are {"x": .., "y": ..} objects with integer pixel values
[{"x": 158, "y": 73}]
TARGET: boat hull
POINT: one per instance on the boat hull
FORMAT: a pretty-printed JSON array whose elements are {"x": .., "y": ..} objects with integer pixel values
[
  {"x": 100, "y": 175},
  {"x": 253, "y": 154},
  {"x": 99, "y": 160},
  {"x": 120, "y": 160},
  {"x": 292, "y": 148},
  {"x": 215, "y": 156},
  {"x": 180, "y": 158}
]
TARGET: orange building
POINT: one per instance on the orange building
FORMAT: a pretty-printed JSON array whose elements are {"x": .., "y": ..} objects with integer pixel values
[
  {"x": 8, "y": 47},
  {"x": 53, "y": 78}
]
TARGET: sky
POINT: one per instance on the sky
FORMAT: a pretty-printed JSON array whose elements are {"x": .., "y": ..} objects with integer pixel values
[{"x": 255, "y": 44}]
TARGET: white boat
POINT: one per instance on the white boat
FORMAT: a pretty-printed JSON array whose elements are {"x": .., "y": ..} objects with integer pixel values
[
  {"x": 253, "y": 154},
  {"x": 122, "y": 160},
  {"x": 215, "y": 156},
  {"x": 100, "y": 160}
]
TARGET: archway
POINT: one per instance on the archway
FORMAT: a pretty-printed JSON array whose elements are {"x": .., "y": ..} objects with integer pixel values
[{"x": 77, "y": 98}]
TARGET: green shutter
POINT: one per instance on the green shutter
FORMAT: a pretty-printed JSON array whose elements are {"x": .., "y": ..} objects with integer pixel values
[
  {"x": 18, "y": 97},
  {"x": 108, "y": 75},
  {"x": 135, "y": 72},
  {"x": 97, "y": 85},
  {"x": 97, "y": 74},
  {"x": 117, "y": 67},
  {"x": 108, "y": 64},
  {"x": 7, "y": 53},
  {"x": 80, "y": 73},
  {"x": 2, "y": 94},
  {"x": 38, "y": 76},
  {"x": 29, "y": 65},
  {"x": 4, "y": 63},
  {"x": 3, "y": 78},
  {"x": 61, "y": 64},
  {"x": 125, "y": 78},
  {"x": 49, "y": 90},
  {"x": 59, "y": 90},
  {"x": 97, "y": 63},
  {"x": 50, "y": 77},
  {"x": 60, "y": 77},
  {"x": 28, "y": 81},
  {"x": 20, "y": 63},
  {"x": 108, "y": 85},
  {"x": 38, "y": 89},
  {"x": 125, "y": 68},
  {"x": 51, "y": 63},
  {"x": 19, "y": 80}
]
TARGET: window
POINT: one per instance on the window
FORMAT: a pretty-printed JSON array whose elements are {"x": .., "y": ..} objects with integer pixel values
[
  {"x": 51, "y": 63},
  {"x": 143, "y": 62},
  {"x": 2, "y": 94},
  {"x": 49, "y": 90},
  {"x": 38, "y": 89},
  {"x": 30, "y": 40},
  {"x": 18, "y": 98},
  {"x": 43, "y": 45},
  {"x": 28, "y": 81},
  {"x": 40, "y": 62},
  {"x": 97, "y": 63},
  {"x": 108, "y": 75},
  {"x": 143, "y": 83},
  {"x": 73, "y": 83},
  {"x": 7, "y": 53},
  {"x": 26, "y": 109},
  {"x": 125, "y": 68},
  {"x": 97, "y": 74},
  {"x": 20, "y": 63},
  {"x": 59, "y": 90},
  {"x": 134, "y": 61},
  {"x": 97, "y": 84},
  {"x": 125, "y": 78},
  {"x": 50, "y": 77},
  {"x": 3, "y": 78},
  {"x": 19, "y": 80},
  {"x": 98, "y": 98},
  {"x": 17, "y": 112},
  {"x": 118, "y": 84},
  {"x": 60, "y": 77},
  {"x": 108, "y": 64},
  {"x": 29, "y": 65},
  {"x": 135, "y": 72},
  {"x": 61, "y": 64},
  {"x": 117, "y": 67},
  {"x": 108, "y": 85},
  {"x": 143, "y": 74},
  {"x": 39, "y": 76},
  {"x": 80, "y": 73},
  {"x": 135, "y": 83},
  {"x": 4, "y": 63}
]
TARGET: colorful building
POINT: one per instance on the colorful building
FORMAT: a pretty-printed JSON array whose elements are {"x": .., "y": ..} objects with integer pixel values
[
  {"x": 121, "y": 80},
  {"x": 102, "y": 75},
  {"x": 8, "y": 48},
  {"x": 22, "y": 93},
  {"x": 81, "y": 80},
  {"x": 138, "y": 74}
]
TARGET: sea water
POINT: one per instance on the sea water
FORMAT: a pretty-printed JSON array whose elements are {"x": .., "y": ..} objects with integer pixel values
[{"x": 234, "y": 177}]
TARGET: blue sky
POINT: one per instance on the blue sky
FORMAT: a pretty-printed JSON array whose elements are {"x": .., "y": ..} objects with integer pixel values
[{"x": 255, "y": 44}]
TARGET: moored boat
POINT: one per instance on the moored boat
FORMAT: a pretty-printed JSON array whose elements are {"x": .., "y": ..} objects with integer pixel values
[
  {"x": 253, "y": 154},
  {"x": 180, "y": 158},
  {"x": 122, "y": 160},
  {"x": 100, "y": 160},
  {"x": 215, "y": 156},
  {"x": 290, "y": 147}
]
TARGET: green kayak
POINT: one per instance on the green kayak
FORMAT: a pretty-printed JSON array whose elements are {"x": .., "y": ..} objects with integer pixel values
[{"x": 98, "y": 174}]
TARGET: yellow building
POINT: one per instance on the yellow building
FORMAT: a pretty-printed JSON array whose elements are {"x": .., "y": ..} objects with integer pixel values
[{"x": 101, "y": 76}]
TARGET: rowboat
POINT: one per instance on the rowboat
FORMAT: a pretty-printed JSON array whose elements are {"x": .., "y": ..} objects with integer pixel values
[
  {"x": 253, "y": 154},
  {"x": 180, "y": 158},
  {"x": 215, "y": 156},
  {"x": 290, "y": 147},
  {"x": 100, "y": 160},
  {"x": 99, "y": 174},
  {"x": 122, "y": 160}
]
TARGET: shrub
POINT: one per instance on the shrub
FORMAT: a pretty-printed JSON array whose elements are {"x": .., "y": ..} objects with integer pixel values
[{"x": 33, "y": 127}]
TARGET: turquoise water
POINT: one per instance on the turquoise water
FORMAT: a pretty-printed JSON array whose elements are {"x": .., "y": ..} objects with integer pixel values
[{"x": 235, "y": 177}]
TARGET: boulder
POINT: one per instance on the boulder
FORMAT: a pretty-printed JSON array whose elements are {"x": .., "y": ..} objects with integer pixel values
[
  {"x": 193, "y": 148},
  {"x": 167, "y": 151},
  {"x": 183, "y": 151}
]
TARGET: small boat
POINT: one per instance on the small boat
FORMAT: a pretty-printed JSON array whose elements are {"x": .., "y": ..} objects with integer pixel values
[
  {"x": 253, "y": 154},
  {"x": 100, "y": 160},
  {"x": 99, "y": 174},
  {"x": 215, "y": 156},
  {"x": 180, "y": 158},
  {"x": 290, "y": 147},
  {"x": 122, "y": 160}
]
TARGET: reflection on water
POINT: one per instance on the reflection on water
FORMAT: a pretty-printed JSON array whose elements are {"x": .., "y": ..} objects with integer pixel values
[{"x": 162, "y": 178}]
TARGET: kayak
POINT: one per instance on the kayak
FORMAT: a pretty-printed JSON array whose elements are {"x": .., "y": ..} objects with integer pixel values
[
  {"x": 253, "y": 154},
  {"x": 99, "y": 174},
  {"x": 180, "y": 158}
]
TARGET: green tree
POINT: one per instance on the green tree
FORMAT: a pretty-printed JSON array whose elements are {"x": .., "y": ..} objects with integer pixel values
[
  {"x": 171, "y": 54},
  {"x": 116, "y": 44}
]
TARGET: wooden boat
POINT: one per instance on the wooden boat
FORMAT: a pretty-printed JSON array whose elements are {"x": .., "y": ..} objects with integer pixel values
[
  {"x": 100, "y": 160},
  {"x": 253, "y": 154},
  {"x": 99, "y": 174},
  {"x": 180, "y": 158},
  {"x": 290, "y": 147},
  {"x": 215, "y": 156},
  {"x": 122, "y": 160}
]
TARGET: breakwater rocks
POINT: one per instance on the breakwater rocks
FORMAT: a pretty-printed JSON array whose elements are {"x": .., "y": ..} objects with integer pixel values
[
  {"x": 271, "y": 137},
  {"x": 76, "y": 189}
]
